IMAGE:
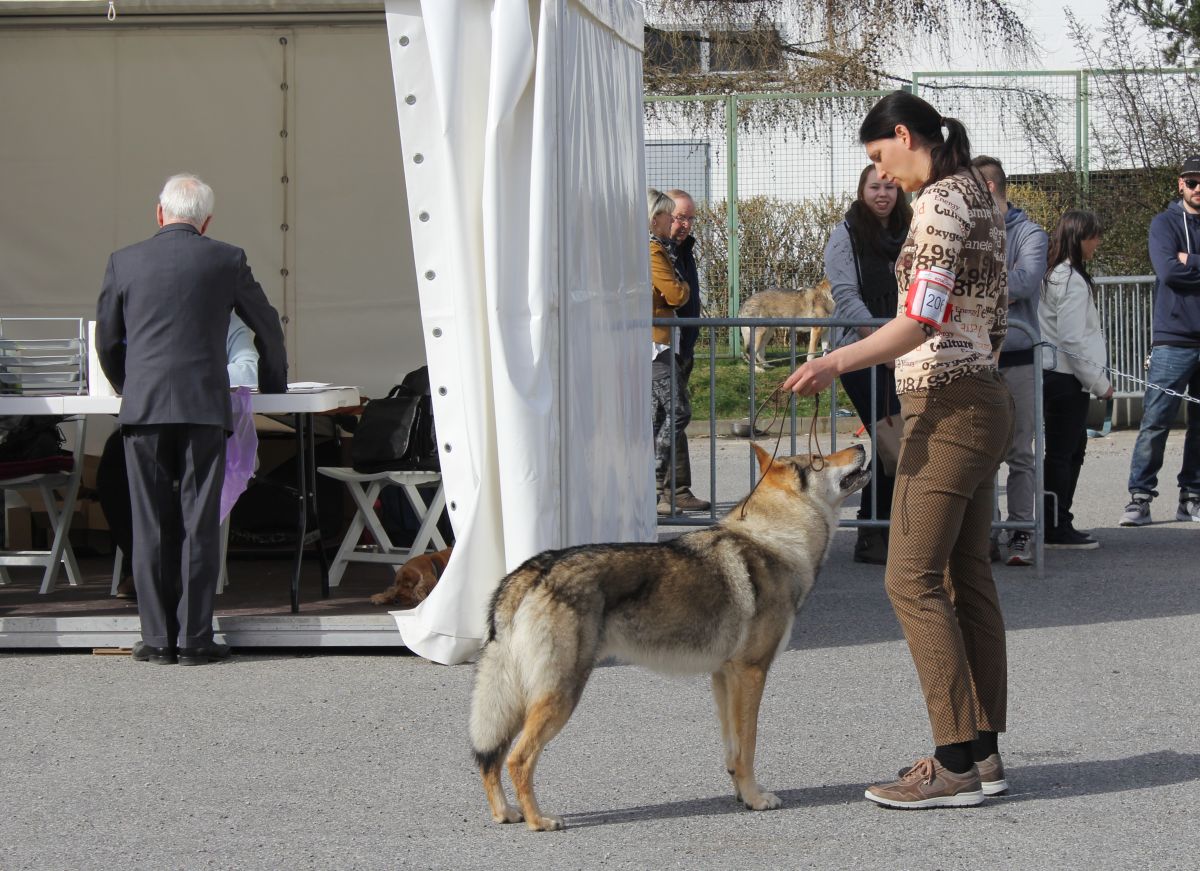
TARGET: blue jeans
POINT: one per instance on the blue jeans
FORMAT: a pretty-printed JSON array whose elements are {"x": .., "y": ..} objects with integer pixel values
[{"x": 1176, "y": 368}]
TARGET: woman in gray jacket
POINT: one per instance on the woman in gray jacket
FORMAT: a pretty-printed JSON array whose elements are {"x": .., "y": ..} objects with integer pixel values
[
  {"x": 860, "y": 262},
  {"x": 1069, "y": 320}
]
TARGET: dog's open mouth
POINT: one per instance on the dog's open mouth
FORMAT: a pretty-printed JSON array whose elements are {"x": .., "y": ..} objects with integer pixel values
[{"x": 856, "y": 480}]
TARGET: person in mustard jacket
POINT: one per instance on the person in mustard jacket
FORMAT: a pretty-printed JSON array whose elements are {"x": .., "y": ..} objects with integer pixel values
[{"x": 669, "y": 291}]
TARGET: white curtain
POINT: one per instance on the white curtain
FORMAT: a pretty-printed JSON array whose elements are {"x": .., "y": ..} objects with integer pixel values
[{"x": 521, "y": 131}]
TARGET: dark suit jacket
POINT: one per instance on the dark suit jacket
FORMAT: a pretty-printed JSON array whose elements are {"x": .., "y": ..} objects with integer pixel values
[{"x": 161, "y": 325}]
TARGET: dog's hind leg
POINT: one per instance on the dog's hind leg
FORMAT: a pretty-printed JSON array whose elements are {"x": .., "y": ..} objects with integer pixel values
[
  {"x": 490, "y": 768},
  {"x": 760, "y": 349},
  {"x": 545, "y": 719},
  {"x": 745, "y": 682},
  {"x": 497, "y": 709}
]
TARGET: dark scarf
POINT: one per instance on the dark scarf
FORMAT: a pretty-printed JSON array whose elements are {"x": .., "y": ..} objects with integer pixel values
[
  {"x": 670, "y": 249},
  {"x": 875, "y": 266}
]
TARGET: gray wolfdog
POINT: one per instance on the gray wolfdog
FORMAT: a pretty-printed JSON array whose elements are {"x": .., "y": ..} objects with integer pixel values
[
  {"x": 777, "y": 302},
  {"x": 720, "y": 600}
]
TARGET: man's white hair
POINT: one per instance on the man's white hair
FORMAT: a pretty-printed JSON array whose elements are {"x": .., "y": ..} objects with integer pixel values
[{"x": 186, "y": 198}]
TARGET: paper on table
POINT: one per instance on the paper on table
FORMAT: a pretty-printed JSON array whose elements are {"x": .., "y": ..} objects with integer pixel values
[
  {"x": 308, "y": 385},
  {"x": 98, "y": 384}
]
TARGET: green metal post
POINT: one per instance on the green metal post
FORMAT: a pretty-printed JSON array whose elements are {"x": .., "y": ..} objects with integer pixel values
[
  {"x": 731, "y": 219},
  {"x": 1083, "y": 157}
]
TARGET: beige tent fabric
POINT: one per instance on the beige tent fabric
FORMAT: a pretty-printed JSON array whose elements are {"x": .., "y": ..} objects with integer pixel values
[
  {"x": 176, "y": 7},
  {"x": 96, "y": 119}
]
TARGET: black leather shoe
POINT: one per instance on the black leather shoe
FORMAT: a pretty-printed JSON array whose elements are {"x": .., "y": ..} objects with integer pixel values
[
  {"x": 143, "y": 652},
  {"x": 203, "y": 655}
]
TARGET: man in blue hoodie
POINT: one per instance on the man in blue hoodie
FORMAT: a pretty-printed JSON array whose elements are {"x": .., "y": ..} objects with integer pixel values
[
  {"x": 1025, "y": 258},
  {"x": 1175, "y": 355}
]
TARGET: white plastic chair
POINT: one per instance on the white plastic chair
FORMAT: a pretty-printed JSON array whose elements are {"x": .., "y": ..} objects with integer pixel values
[{"x": 46, "y": 356}]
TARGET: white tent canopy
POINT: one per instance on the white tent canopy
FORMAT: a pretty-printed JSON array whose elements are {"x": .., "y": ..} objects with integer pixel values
[
  {"x": 525, "y": 286},
  {"x": 291, "y": 120},
  {"x": 521, "y": 131}
]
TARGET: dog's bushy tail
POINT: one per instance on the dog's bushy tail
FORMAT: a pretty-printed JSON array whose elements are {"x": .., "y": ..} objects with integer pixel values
[{"x": 497, "y": 704}]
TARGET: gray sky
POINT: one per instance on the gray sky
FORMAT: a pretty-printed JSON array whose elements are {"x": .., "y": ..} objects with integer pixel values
[{"x": 1049, "y": 23}]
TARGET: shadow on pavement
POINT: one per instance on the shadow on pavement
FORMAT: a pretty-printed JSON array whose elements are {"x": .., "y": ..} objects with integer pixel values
[
  {"x": 1034, "y": 782},
  {"x": 1136, "y": 574}
]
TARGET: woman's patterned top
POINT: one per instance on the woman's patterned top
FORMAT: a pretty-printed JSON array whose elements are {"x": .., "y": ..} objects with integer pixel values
[{"x": 953, "y": 281}]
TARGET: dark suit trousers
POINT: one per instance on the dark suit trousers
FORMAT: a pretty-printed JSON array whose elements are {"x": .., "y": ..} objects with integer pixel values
[{"x": 176, "y": 533}]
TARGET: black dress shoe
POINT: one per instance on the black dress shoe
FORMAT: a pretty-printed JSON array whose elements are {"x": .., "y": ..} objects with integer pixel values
[
  {"x": 143, "y": 652},
  {"x": 203, "y": 655}
]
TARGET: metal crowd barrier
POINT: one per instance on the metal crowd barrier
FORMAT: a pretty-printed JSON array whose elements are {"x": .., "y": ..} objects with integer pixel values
[
  {"x": 1126, "y": 306},
  {"x": 795, "y": 432}
]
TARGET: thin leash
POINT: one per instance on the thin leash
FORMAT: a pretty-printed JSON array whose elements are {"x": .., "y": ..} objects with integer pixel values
[
  {"x": 813, "y": 440},
  {"x": 1149, "y": 385}
]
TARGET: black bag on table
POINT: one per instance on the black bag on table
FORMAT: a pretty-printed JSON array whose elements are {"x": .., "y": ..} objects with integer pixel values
[{"x": 396, "y": 433}]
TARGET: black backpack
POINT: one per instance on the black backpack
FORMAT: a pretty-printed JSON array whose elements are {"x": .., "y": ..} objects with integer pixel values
[
  {"x": 396, "y": 433},
  {"x": 30, "y": 437}
]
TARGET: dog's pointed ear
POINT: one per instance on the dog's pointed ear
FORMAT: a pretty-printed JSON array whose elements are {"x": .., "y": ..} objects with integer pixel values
[{"x": 764, "y": 459}]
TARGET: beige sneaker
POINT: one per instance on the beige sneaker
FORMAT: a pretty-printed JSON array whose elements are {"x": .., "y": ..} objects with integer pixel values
[
  {"x": 991, "y": 775},
  {"x": 928, "y": 784},
  {"x": 685, "y": 500}
]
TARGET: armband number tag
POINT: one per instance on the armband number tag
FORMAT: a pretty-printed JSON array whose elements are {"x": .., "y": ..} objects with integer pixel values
[{"x": 929, "y": 296}]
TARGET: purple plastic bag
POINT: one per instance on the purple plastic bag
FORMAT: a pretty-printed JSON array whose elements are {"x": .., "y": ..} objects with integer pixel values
[{"x": 240, "y": 451}]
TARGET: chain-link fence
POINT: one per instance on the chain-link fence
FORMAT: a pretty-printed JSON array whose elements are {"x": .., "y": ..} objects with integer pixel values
[
  {"x": 772, "y": 173},
  {"x": 1106, "y": 140}
]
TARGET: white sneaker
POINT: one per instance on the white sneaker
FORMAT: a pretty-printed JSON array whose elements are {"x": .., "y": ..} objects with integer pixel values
[
  {"x": 1137, "y": 512},
  {"x": 1189, "y": 508},
  {"x": 1020, "y": 551}
]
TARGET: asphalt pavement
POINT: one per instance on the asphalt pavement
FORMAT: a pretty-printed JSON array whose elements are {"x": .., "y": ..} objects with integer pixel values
[{"x": 360, "y": 761}]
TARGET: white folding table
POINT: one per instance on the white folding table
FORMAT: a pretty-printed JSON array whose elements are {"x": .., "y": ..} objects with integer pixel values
[{"x": 301, "y": 403}]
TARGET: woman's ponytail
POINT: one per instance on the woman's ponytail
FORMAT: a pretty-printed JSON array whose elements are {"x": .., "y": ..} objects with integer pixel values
[{"x": 954, "y": 153}]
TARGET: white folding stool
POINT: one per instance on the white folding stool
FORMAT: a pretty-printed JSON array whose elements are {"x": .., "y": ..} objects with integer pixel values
[{"x": 364, "y": 490}]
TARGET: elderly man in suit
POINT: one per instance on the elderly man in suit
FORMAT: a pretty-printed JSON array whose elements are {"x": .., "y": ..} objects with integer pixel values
[{"x": 162, "y": 321}]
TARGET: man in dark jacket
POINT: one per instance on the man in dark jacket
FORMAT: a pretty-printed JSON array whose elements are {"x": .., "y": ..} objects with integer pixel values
[
  {"x": 1175, "y": 356},
  {"x": 684, "y": 243},
  {"x": 162, "y": 322},
  {"x": 1025, "y": 259}
]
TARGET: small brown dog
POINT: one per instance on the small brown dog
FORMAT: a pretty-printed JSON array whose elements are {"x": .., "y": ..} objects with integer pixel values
[{"x": 414, "y": 580}]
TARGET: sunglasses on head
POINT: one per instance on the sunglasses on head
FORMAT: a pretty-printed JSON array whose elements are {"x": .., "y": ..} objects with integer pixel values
[{"x": 1191, "y": 183}]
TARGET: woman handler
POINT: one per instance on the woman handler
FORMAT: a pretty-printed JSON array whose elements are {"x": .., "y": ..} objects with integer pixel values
[{"x": 957, "y": 427}]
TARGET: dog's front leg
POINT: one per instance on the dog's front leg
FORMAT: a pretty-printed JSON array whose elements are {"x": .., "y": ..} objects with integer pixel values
[
  {"x": 720, "y": 688},
  {"x": 745, "y": 695}
]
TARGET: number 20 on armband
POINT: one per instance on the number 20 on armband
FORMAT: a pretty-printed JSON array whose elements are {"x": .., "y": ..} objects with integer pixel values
[{"x": 928, "y": 300}]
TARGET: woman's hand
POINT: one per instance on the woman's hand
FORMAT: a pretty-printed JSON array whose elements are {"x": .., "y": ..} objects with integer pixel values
[
  {"x": 1108, "y": 394},
  {"x": 813, "y": 377},
  {"x": 894, "y": 339}
]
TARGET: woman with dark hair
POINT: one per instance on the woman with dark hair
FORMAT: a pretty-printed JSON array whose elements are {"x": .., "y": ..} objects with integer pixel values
[
  {"x": 860, "y": 262},
  {"x": 958, "y": 419},
  {"x": 1070, "y": 321}
]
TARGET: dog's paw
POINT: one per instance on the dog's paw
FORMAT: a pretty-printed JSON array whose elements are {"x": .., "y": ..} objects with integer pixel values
[
  {"x": 764, "y": 801},
  {"x": 546, "y": 823},
  {"x": 509, "y": 815},
  {"x": 382, "y": 599}
]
